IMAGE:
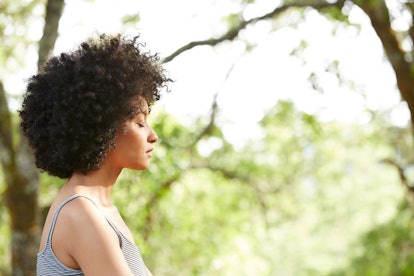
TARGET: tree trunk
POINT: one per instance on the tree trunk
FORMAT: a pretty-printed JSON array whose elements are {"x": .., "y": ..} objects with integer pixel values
[
  {"x": 20, "y": 196},
  {"x": 21, "y": 175},
  {"x": 53, "y": 14},
  {"x": 378, "y": 13}
]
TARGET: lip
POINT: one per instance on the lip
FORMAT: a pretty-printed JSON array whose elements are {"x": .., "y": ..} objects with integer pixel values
[{"x": 148, "y": 152}]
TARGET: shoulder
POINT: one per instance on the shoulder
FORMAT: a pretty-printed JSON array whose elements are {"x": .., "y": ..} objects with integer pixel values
[
  {"x": 86, "y": 238},
  {"x": 83, "y": 224},
  {"x": 81, "y": 208},
  {"x": 80, "y": 213}
]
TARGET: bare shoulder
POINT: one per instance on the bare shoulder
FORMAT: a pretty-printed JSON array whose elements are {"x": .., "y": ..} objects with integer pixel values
[
  {"x": 81, "y": 209},
  {"x": 83, "y": 239}
]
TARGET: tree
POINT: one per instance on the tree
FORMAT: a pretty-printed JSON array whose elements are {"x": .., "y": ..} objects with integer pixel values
[
  {"x": 21, "y": 176},
  {"x": 397, "y": 43},
  {"x": 303, "y": 176},
  {"x": 394, "y": 41}
]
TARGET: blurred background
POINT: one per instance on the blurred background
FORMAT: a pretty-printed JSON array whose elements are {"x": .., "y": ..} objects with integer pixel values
[{"x": 286, "y": 142}]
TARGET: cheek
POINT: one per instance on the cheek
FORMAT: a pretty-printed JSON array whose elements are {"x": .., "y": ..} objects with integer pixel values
[{"x": 133, "y": 142}]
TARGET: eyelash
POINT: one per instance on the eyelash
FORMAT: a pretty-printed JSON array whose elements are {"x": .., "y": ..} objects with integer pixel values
[{"x": 141, "y": 124}]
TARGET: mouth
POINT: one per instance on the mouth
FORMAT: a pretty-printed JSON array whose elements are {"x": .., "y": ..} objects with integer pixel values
[{"x": 148, "y": 152}]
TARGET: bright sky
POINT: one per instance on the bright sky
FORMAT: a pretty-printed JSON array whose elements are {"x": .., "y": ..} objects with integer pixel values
[{"x": 259, "y": 78}]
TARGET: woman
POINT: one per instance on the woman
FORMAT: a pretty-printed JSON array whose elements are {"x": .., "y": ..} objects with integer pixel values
[{"x": 85, "y": 116}]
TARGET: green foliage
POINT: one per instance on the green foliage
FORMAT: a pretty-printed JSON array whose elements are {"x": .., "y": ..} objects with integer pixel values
[
  {"x": 279, "y": 204},
  {"x": 198, "y": 217},
  {"x": 15, "y": 19},
  {"x": 335, "y": 14},
  {"x": 130, "y": 19},
  {"x": 232, "y": 20},
  {"x": 387, "y": 249}
]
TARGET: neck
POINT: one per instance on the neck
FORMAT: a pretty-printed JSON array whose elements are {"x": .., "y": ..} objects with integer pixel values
[{"x": 97, "y": 184}]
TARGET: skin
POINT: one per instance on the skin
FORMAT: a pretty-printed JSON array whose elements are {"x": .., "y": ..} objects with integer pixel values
[{"x": 82, "y": 238}]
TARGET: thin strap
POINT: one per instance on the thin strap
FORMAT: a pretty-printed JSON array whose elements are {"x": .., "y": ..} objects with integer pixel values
[
  {"x": 118, "y": 233},
  {"x": 52, "y": 226}
]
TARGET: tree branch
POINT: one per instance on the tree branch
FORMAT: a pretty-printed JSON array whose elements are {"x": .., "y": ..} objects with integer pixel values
[
  {"x": 234, "y": 32},
  {"x": 208, "y": 129},
  {"x": 54, "y": 9},
  {"x": 152, "y": 202},
  {"x": 403, "y": 178},
  {"x": 378, "y": 13}
]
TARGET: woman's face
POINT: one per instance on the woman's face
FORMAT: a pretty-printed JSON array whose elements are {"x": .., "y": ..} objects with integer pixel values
[{"x": 134, "y": 144}]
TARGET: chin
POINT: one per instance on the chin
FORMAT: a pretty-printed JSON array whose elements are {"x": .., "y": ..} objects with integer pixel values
[{"x": 141, "y": 167}]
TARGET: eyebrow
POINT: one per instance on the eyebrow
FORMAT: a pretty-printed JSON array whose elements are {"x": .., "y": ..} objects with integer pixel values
[{"x": 144, "y": 112}]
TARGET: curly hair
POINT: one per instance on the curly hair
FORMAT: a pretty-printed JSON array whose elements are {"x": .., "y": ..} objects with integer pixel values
[{"x": 73, "y": 109}]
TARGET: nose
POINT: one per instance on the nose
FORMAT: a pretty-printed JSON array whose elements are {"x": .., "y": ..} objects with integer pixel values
[{"x": 152, "y": 137}]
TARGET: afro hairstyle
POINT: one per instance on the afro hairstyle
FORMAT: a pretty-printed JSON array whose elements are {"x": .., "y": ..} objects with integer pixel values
[{"x": 73, "y": 108}]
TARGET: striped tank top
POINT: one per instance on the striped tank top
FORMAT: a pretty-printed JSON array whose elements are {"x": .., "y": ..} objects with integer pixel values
[{"x": 49, "y": 265}]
